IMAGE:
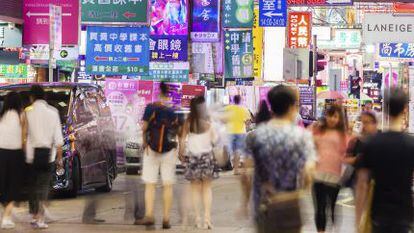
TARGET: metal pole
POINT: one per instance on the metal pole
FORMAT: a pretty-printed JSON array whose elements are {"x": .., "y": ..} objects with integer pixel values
[
  {"x": 51, "y": 62},
  {"x": 315, "y": 73}
]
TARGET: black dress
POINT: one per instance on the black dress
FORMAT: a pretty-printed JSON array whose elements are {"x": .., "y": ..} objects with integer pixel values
[{"x": 12, "y": 170}]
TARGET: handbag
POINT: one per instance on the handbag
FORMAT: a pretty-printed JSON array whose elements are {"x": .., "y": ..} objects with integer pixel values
[
  {"x": 41, "y": 159},
  {"x": 365, "y": 226},
  {"x": 279, "y": 212}
]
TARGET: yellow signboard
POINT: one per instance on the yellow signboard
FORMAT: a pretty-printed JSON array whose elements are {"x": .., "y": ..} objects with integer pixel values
[{"x": 257, "y": 45}]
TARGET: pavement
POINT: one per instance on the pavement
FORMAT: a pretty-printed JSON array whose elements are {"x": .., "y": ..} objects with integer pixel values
[{"x": 116, "y": 209}]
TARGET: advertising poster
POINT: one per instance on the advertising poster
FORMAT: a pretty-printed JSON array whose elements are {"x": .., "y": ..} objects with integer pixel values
[
  {"x": 168, "y": 48},
  {"x": 169, "y": 17},
  {"x": 202, "y": 58},
  {"x": 117, "y": 50},
  {"x": 238, "y": 54},
  {"x": 36, "y": 17},
  {"x": 396, "y": 50},
  {"x": 189, "y": 92},
  {"x": 306, "y": 101},
  {"x": 206, "y": 25},
  {"x": 299, "y": 29},
  {"x": 272, "y": 13},
  {"x": 257, "y": 46},
  {"x": 238, "y": 13},
  {"x": 168, "y": 72},
  {"x": 114, "y": 11},
  {"x": 218, "y": 58},
  {"x": 263, "y": 94}
]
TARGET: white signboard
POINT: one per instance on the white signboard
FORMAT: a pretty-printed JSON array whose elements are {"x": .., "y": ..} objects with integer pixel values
[
  {"x": 41, "y": 52},
  {"x": 387, "y": 28},
  {"x": 55, "y": 13}
]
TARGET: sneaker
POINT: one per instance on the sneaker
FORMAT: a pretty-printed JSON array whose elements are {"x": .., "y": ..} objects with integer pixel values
[
  {"x": 7, "y": 224},
  {"x": 166, "y": 225},
  {"x": 40, "y": 225}
]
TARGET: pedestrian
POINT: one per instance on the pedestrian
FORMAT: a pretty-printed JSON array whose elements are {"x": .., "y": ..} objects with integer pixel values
[
  {"x": 236, "y": 118},
  {"x": 281, "y": 151},
  {"x": 44, "y": 134},
  {"x": 161, "y": 129},
  {"x": 262, "y": 116},
  {"x": 387, "y": 159},
  {"x": 12, "y": 141},
  {"x": 331, "y": 143},
  {"x": 369, "y": 128},
  {"x": 198, "y": 139}
]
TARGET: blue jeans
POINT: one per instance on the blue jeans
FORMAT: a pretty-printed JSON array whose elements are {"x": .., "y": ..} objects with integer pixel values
[{"x": 237, "y": 144}]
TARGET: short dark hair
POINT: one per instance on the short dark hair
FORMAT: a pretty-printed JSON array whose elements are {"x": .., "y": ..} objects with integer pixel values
[
  {"x": 165, "y": 90},
  {"x": 397, "y": 101},
  {"x": 237, "y": 99},
  {"x": 281, "y": 99},
  {"x": 370, "y": 115},
  {"x": 37, "y": 92}
]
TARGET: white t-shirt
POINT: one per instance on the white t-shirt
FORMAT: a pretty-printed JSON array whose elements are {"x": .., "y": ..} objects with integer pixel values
[
  {"x": 44, "y": 129},
  {"x": 10, "y": 131},
  {"x": 199, "y": 144}
]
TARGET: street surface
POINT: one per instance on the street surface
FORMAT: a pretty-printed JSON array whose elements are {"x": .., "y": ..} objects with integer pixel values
[{"x": 66, "y": 213}]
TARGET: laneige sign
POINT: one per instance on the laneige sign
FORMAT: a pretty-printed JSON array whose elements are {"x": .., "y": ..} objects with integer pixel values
[{"x": 387, "y": 28}]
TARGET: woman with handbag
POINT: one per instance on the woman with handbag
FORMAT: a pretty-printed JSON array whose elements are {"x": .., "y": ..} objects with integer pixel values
[
  {"x": 331, "y": 143},
  {"x": 201, "y": 165},
  {"x": 281, "y": 150},
  {"x": 12, "y": 140}
]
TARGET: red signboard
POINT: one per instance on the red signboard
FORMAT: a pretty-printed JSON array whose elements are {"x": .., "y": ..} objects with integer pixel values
[
  {"x": 400, "y": 7},
  {"x": 299, "y": 29},
  {"x": 189, "y": 92},
  {"x": 319, "y": 2}
]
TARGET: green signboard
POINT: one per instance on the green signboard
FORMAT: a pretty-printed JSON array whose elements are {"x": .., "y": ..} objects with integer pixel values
[
  {"x": 238, "y": 54},
  {"x": 13, "y": 71},
  {"x": 114, "y": 11},
  {"x": 238, "y": 13}
]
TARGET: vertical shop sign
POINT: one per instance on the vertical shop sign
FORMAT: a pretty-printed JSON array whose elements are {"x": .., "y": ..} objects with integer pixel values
[
  {"x": 117, "y": 50},
  {"x": 206, "y": 25},
  {"x": 202, "y": 58},
  {"x": 169, "y": 17},
  {"x": 168, "y": 72},
  {"x": 238, "y": 54},
  {"x": 238, "y": 13},
  {"x": 114, "y": 11},
  {"x": 37, "y": 14},
  {"x": 55, "y": 13},
  {"x": 272, "y": 13},
  {"x": 168, "y": 48},
  {"x": 396, "y": 50},
  {"x": 257, "y": 46},
  {"x": 189, "y": 92},
  {"x": 299, "y": 29},
  {"x": 306, "y": 102}
]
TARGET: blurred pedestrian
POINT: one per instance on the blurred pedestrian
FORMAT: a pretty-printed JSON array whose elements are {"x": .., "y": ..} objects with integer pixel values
[
  {"x": 280, "y": 151},
  {"x": 201, "y": 166},
  {"x": 369, "y": 127},
  {"x": 44, "y": 133},
  {"x": 236, "y": 118},
  {"x": 160, "y": 133},
  {"x": 331, "y": 143},
  {"x": 262, "y": 116},
  {"x": 13, "y": 139},
  {"x": 387, "y": 158}
]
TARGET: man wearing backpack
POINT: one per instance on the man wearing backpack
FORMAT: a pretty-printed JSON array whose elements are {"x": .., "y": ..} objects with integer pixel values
[{"x": 160, "y": 131}]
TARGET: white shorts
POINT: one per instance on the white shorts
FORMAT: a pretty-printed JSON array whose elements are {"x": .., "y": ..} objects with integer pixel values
[{"x": 154, "y": 163}]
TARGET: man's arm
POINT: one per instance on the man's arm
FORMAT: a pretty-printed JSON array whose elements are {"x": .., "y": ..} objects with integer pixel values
[
  {"x": 58, "y": 141},
  {"x": 362, "y": 187}
]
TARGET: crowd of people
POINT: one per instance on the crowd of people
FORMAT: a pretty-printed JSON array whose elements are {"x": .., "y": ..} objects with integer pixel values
[{"x": 278, "y": 162}]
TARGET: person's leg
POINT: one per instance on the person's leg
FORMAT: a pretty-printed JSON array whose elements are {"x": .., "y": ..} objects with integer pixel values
[
  {"x": 246, "y": 184},
  {"x": 149, "y": 200},
  {"x": 333, "y": 192},
  {"x": 207, "y": 201},
  {"x": 167, "y": 199},
  {"x": 319, "y": 200},
  {"x": 196, "y": 191},
  {"x": 168, "y": 169}
]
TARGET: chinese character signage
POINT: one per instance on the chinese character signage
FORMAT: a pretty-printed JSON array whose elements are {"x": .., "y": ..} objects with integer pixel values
[
  {"x": 348, "y": 38},
  {"x": 36, "y": 16},
  {"x": 114, "y": 11},
  {"x": 169, "y": 72},
  {"x": 320, "y": 2},
  {"x": 257, "y": 46},
  {"x": 55, "y": 13},
  {"x": 396, "y": 50},
  {"x": 299, "y": 29},
  {"x": 13, "y": 71},
  {"x": 306, "y": 102},
  {"x": 206, "y": 26},
  {"x": 169, "y": 48},
  {"x": 202, "y": 58},
  {"x": 238, "y": 54},
  {"x": 237, "y": 13},
  {"x": 169, "y": 17},
  {"x": 117, "y": 50},
  {"x": 272, "y": 13},
  {"x": 189, "y": 92}
]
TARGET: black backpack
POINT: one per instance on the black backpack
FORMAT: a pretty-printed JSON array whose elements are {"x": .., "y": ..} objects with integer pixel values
[{"x": 162, "y": 129}]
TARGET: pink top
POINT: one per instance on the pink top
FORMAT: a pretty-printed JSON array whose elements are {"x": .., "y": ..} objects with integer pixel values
[{"x": 331, "y": 147}]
